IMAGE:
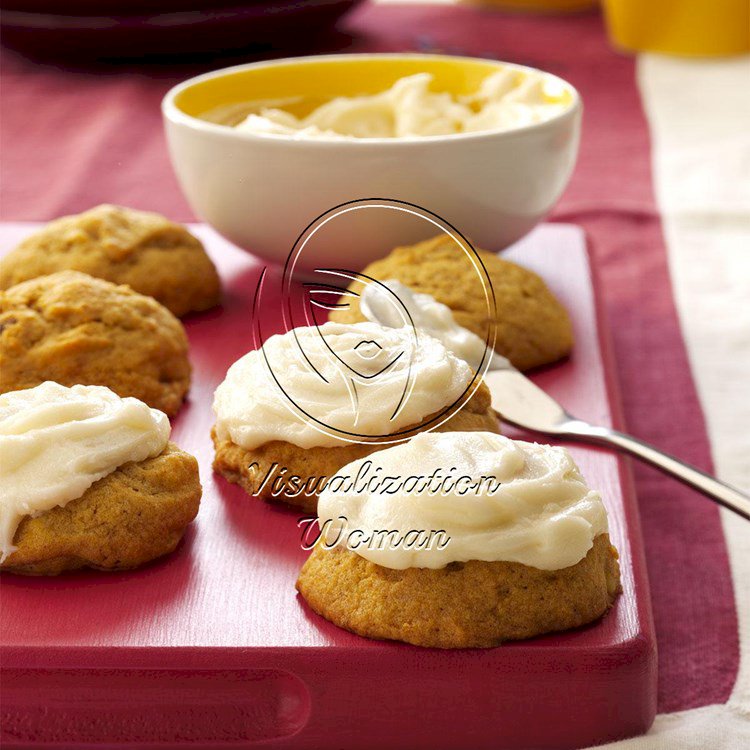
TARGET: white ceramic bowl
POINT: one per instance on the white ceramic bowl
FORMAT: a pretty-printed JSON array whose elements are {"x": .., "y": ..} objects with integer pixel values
[{"x": 261, "y": 192}]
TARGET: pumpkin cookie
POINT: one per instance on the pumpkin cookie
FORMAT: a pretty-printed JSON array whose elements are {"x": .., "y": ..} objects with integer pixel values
[
  {"x": 134, "y": 515},
  {"x": 266, "y": 471},
  {"x": 475, "y": 604},
  {"x": 474, "y": 539},
  {"x": 89, "y": 480},
  {"x": 314, "y": 399},
  {"x": 72, "y": 328},
  {"x": 144, "y": 250},
  {"x": 532, "y": 327}
]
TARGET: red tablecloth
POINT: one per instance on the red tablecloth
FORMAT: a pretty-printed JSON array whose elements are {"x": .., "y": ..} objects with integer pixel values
[{"x": 75, "y": 137}]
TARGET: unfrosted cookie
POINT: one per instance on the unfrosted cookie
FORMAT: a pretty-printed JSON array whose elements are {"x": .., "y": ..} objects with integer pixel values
[
  {"x": 144, "y": 250},
  {"x": 249, "y": 468},
  {"x": 135, "y": 514},
  {"x": 464, "y": 605},
  {"x": 532, "y": 327},
  {"x": 72, "y": 328}
]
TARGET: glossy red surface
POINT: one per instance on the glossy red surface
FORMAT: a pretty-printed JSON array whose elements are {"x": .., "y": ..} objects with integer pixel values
[
  {"x": 87, "y": 29},
  {"x": 211, "y": 647}
]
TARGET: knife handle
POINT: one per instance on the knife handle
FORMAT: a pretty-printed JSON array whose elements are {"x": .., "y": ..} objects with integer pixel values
[{"x": 719, "y": 491}]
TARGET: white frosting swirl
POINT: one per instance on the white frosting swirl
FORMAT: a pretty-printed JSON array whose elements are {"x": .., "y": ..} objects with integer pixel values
[
  {"x": 406, "y": 307},
  {"x": 326, "y": 385},
  {"x": 55, "y": 442},
  {"x": 535, "y": 510},
  {"x": 506, "y": 100}
]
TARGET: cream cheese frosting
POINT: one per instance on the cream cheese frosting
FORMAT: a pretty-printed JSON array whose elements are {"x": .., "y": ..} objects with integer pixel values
[
  {"x": 427, "y": 314},
  {"x": 335, "y": 383},
  {"x": 493, "y": 499},
  {"x": 505, "y": 100},
  {"x": 55, "y": 442}
]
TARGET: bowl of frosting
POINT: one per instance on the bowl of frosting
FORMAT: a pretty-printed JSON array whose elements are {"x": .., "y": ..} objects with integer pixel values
[{"x": 263, "y": 150}]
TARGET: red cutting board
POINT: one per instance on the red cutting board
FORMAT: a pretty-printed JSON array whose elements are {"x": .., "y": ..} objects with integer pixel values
[{"x": 212, "y": 647}]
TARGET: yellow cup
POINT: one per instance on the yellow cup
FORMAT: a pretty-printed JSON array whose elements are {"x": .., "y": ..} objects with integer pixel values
[{"x": 680, "y": 27}]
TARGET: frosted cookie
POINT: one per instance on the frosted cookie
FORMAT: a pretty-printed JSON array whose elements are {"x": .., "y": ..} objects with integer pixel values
[
  {"x": 519, "y": 548},
  {"x": 72, "y": 328},
  {"x": 146, "y": 251},
  {"x": 532, "y": 328},
  {"x": 312, "y": 400},
  {"x": 89, "y": 480}
]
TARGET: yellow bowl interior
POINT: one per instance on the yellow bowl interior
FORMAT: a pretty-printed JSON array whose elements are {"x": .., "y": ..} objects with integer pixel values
[{"x": 301, "y": 85}]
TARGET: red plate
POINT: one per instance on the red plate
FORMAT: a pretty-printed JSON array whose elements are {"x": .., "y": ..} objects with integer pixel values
[
  {"x": 84, "y": 28},
  {"x": 211, "y": 647}
]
